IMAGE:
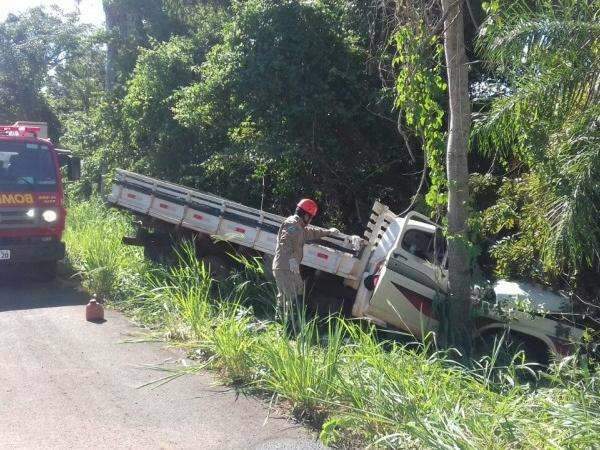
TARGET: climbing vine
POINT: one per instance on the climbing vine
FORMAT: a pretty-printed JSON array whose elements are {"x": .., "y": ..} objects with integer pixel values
[{"x": 419, "y": 87}]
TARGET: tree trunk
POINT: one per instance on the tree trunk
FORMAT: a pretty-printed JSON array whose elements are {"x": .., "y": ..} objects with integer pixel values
[
  {"x": 458, "y": 329},
  {"x": 111, "y": 20}
]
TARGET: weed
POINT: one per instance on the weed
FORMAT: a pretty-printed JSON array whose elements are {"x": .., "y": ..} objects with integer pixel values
[{"x": 304, "y": 370}]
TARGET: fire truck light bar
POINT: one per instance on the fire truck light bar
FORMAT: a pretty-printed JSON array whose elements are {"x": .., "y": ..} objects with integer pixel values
[{"x": 19, "y": 131}]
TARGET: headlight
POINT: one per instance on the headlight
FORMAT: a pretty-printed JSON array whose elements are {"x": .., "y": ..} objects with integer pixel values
[
  {"x": 30, "y": 213},
  {"x": 49, "y": 215}
]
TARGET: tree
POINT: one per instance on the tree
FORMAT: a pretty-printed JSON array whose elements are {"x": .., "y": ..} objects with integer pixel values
[
  {"x": 421, "y": 28},
  {"x": 164, "y": 147},
  {"x": 111, "y": 15},
  {"x": 546, "y": 123},
  {"x": 130, "y": 25},
  {"x": 459, "y": 267},
  {"x": 32, "y": 45},
  {"x": 77, "y": 83},
  {"x": 287, "y": 94}
]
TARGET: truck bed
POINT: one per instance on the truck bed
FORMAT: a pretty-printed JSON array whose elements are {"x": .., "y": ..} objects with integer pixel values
[{"x": 216, "y": 216}]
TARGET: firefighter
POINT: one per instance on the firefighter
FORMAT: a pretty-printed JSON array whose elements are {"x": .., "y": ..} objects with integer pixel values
[{"x": 293, "y": 233}]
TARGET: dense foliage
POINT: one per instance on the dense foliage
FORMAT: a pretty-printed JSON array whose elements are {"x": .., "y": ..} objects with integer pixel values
[
  {"x": 33, "y": 45},
  {"x": 544, "y": 133},
  {"x": 286, "y": 93},
  {"x": 274, "y": 96}
]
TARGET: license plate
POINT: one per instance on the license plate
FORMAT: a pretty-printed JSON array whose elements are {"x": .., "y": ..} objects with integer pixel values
[{"x": 4, "y": 254}]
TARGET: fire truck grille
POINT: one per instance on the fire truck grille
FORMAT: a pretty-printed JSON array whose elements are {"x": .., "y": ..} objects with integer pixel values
[
  {"x": 24, "y": 240},
  {"x": 17, "y": 218}
]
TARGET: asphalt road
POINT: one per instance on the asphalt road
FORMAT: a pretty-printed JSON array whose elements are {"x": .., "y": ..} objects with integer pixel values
[{"x": 68, "y": 383}]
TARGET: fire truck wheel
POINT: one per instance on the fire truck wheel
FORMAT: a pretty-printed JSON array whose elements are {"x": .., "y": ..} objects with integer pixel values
[{"x": 46, "y": 271}]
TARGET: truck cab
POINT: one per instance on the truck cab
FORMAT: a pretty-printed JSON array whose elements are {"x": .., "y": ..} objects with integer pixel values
[
  {"x": 32, "y": 208},
  {"x": 407, "y": 274}
]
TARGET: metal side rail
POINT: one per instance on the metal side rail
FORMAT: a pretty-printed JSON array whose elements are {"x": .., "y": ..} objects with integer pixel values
[{"x": 216, "y": 216}]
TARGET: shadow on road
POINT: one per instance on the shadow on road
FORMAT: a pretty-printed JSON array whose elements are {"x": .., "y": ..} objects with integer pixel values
[{"x": 22, "y": 291}]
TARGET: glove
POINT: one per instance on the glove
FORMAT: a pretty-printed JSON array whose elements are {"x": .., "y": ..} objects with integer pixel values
[
  {"x": 294, "y": 266},
  {"x": 333, "y": 231},
  {"x": 355, "y": 241}
]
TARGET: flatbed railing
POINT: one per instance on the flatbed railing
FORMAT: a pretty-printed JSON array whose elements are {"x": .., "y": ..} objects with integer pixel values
[{"x": 216, "y": 216}]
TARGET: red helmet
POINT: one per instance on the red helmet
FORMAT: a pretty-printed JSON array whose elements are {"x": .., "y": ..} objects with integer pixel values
[{"x": 309, "y": 206}]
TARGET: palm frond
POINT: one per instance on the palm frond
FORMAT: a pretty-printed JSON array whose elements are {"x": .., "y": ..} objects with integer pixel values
[
  {"x": 573, "y": 214},
  {"x": 548, "y": 53},
  {"x": 524, "y": 30},
  {"x": 541, "y": 101}
]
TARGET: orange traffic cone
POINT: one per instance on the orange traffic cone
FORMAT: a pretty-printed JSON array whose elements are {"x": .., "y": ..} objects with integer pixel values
[{"x": 94, "y": 312}]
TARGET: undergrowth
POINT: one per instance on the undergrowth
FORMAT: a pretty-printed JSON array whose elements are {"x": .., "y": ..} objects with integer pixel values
[{"x": 335, "y": 373}]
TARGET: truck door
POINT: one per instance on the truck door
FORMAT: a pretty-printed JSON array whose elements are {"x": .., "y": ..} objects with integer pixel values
[{"x": 411, "y": 277}]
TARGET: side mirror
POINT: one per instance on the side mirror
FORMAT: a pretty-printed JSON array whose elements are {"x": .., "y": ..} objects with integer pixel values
[
  {"x": 63, "y": 158},
  {"x": 74, "y": 168}
]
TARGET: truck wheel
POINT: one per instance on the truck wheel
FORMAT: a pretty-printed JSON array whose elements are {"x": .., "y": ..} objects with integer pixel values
[
  {"x": 153, "y": 252},
  {"x": 219, "y": 266},
  {"x": 324, "y": 305},
  {"x": 159, "y": 250},
  {"x": 536, "y": 351},
  {"x": 46, "y": 271}
]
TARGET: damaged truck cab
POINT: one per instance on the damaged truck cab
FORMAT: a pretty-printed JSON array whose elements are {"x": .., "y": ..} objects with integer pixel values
[{"x": 406, "y": 275}]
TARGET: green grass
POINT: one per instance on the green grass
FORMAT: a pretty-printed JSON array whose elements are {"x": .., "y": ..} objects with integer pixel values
[
  {"x": 304, "y": 370},
  {"x": 336, "y": 374},
  {"x": 93, "y": 238}
]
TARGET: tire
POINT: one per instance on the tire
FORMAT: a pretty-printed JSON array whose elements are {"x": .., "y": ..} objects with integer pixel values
[
  {"x": 153, "y": 252},
  {"x": 536, "y": 352},
  {"x": 324, "y": 305},
  {"x": 159, "y": 249},
  {"x": 220, "y": 268}
]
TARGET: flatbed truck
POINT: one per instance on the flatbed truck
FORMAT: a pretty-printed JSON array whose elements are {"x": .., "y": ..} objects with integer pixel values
[{"x": 395, "y": 272}]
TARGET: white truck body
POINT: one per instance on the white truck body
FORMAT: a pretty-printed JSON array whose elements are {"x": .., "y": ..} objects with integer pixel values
[
  {"x": 217, "y": 216},
  {"x": 404, "y": 257}
]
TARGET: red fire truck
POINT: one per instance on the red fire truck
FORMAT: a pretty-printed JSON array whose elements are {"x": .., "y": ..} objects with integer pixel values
[{"x": 32, "y": 209}]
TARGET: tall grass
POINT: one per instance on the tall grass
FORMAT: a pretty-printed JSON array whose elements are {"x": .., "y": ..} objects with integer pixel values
[
  {"x": 335, "y": 373},
  {"x": 94, "y": 249},
  {"x": 304, "y": 370}
]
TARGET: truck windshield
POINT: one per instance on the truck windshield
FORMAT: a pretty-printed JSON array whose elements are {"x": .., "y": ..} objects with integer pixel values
[
  {"x": 428, "y": 246},
  {"x": 26, "y": 167}
]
